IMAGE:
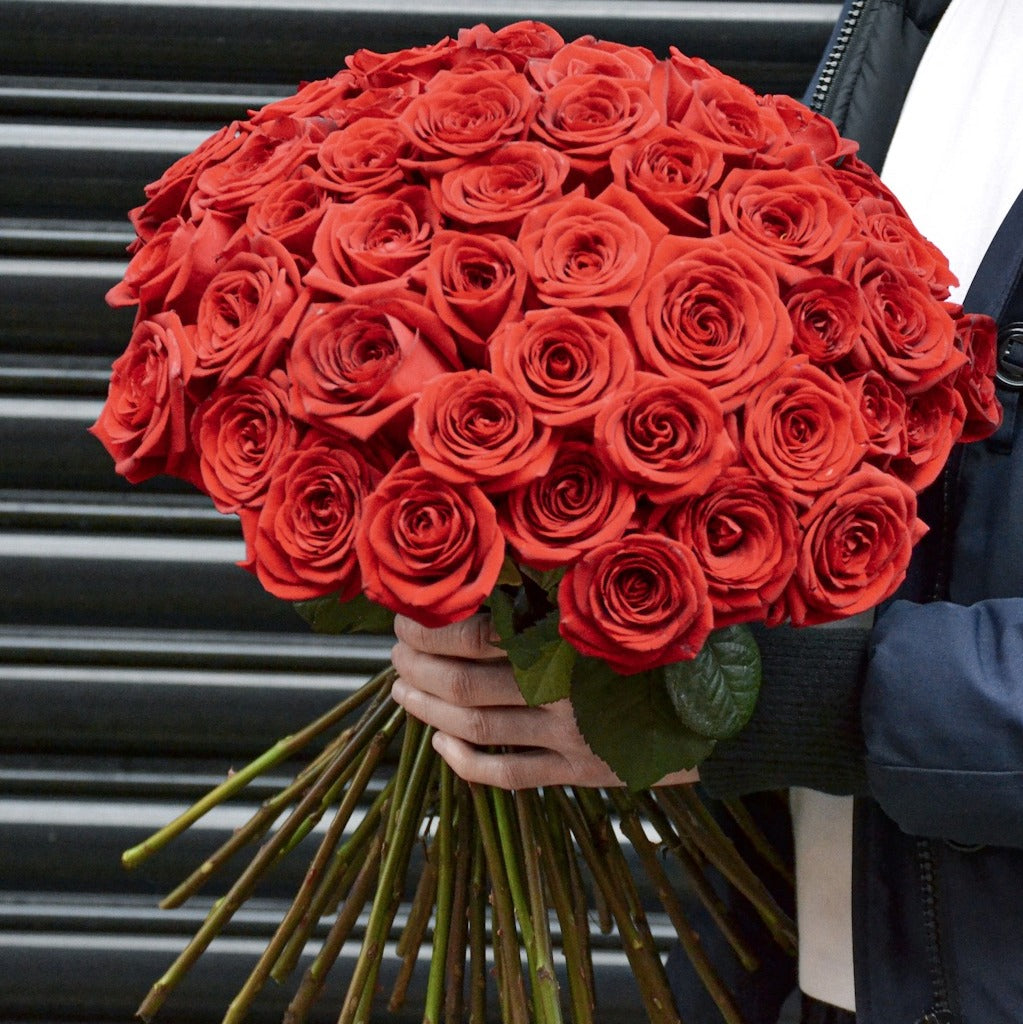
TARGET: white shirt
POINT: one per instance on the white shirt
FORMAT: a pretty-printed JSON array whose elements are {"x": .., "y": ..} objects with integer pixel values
[{"x": 956, "y": 164}]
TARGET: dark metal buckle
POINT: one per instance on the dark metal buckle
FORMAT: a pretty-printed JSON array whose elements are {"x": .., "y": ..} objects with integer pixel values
[{"x": 1010, "y": 356}]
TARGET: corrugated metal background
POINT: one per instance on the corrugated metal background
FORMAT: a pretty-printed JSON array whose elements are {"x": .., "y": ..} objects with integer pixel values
[{"x": 136, "y": 661}]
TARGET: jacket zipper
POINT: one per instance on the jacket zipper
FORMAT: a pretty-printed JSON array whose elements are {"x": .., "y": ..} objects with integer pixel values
[
  {"x": 941, "y": 1011},
  {"x": 834, "y": 59}
]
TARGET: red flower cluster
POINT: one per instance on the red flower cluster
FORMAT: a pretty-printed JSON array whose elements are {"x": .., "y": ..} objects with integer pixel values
[{"x": 614, "y": 314}]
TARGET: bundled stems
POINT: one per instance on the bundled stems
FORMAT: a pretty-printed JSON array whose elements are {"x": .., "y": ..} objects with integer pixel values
[
  {"x": 454, "y": 967},
  {"x": 285, "y": 748},
  {"x": 445, "y": 893}
]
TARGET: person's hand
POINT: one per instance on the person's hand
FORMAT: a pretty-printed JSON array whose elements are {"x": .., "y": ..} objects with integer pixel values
[{"x": 456, "y": 680}]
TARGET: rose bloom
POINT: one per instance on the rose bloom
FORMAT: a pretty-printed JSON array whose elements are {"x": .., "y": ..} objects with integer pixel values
[
  {"x": 376, "y": 238},
  {"x": 882, "y": 407},
  {"x": 590, "y": 56},
  {"x": 977, "y": 337},
  {"x": 248, "y": 313},
  {"x": 575, "y": 506},
  {"x": 586, "y": 116},
  {"x": 428, "y": 548},
  {"x": 856, "y": 548},
  {"x": 792, "y": 217},
  {"x": 473, "y": 427},
  {"x": 417, "y": 63},
  {"x": 174, "y": 267},
  {"x": 270, "y": 152},
  {"x": 827, "y": 316},
  {"x": 745, "y": 536},
  {"x": 810, "y": 130},
  {"x": 475, "y": 283},
  {"x": 301, "y": 542},
  {"x": 358, "y": 365},
  {"x": 144, "y": 422},
  {"x": 502, "y": 187},
  {"x": 521, "y": 41},
  {"x": 666, "y": 436},
  {"x": 362, "y": 158},
  {"x": 934, "y": 422},
  {"x": 589, "y": 252},
  {"x": 169, "y": 195},
  {"x": 638, "y": 603},
  {"x": 465, "y": 115},
  {"x": 564, "y": 364},
  {"x": 289, "y": 212},
  {"x": 711, "y": 311},
  {"x": 802, "y": 431},
  {"x": 240, "y": 432},
  {"x": 673, "y": 172}
]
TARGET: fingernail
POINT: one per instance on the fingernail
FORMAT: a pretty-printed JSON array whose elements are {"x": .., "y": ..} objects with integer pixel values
[{"x": 398, "y": 691}]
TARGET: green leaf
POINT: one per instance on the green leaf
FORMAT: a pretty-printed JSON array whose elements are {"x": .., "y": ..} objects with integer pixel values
[
  {"x": 715, "y": 693},
  {"x": 509, "y": 575},
  {"x": 549, "y": 579},
  {"x": 502, "y": 613},
  {"x": 359, "y": 615},
  {"x": 629, "y": 721}
]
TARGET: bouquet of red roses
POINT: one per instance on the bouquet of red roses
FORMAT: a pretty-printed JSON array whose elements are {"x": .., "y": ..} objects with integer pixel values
[{"x": 604, "y": 343}]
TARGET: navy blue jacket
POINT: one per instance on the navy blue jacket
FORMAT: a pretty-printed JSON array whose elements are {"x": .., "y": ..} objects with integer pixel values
[{"x": 925, "y": 719}]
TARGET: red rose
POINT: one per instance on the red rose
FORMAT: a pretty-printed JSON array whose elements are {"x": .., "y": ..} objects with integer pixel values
[
  {"x": 144, "y": 423},
  {"x": 858, "y": 181},
  {"x": 639, "y": 603},
  {"x": 169, "y": 195},
  {"x": 590, "y": 56},
  {"x": 362, "y": 158},
  {"x": 710, "y": 310},
  {"x": 359, "y": 364},
  {"x": 376, "y": 238},
  {"x": 173, "y": 268},
  {"x": 791, "y": 217},
  {"x": 802, "y": 431},
  {"x": 465, "y": 115},
  {"x": 666, "y": 436},
  {"x": 248, "y": 313},
  {"x": 813, "y": 133},
  {"x": 427, "y": 548},
  {"x": 240, "y": 432},
  {"x": 934, "y": 422},
  {"x": 902, "y": 241},
  {"x": 324, "y": 98},
  {"x": 745, "y": 535},
  {"x": 271, "y": 151},
  {"x": 856, "y": 548},
  {"x": 417, "y": 63},
  {"x": 472, "y": 427},
  {"x": 502, "y": 187},
  {"x": 727, "y": 112},
  {"x": 521, "y": 41},
  {"x": 289, "y": 212},
  {"x": 977, "y": 338},
  {"x": 564, "y": 364},
  {"x": 586, "y": 116},
  {"x": 475, "y": 283},
  {"x": 574, "y": 507},
  {"x": 589, "y": 252},
  {"x": 301, "y": 543},
  {"x": 673, "y": 173},
  {"x": 882, "y": 407},
  {"x": 827, "y": 317},
  {"x": 912, "y": 340}
]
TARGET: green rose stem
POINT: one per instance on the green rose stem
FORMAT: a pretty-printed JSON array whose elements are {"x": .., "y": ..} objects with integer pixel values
[
  {"x": 411, "y": 940},
  {"x": 606, "y": 862},
  {"x": 706, "y": 893},
  {"x": 434, "y": 1005},
  {"x": 506, "y": 946},
  {"x": 758, "y": 840},
  {"x": 687, "y": 811},
  {"x": 415, "y": 766},
  {"x": 316, "y": 974},
  {"x": 458, "y": 939},
  {"x": 367, "y": 765},
  {"x": 632, "y": 826},
  {"x": 570, "y": 903},
  {"x": 280, "y": 751},
  {"x": 478, "y": 933},
  {"x": 335, "y": 884}
]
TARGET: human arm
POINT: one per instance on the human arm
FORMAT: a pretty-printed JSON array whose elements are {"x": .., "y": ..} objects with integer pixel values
[{"x": 456, "y": 680}]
